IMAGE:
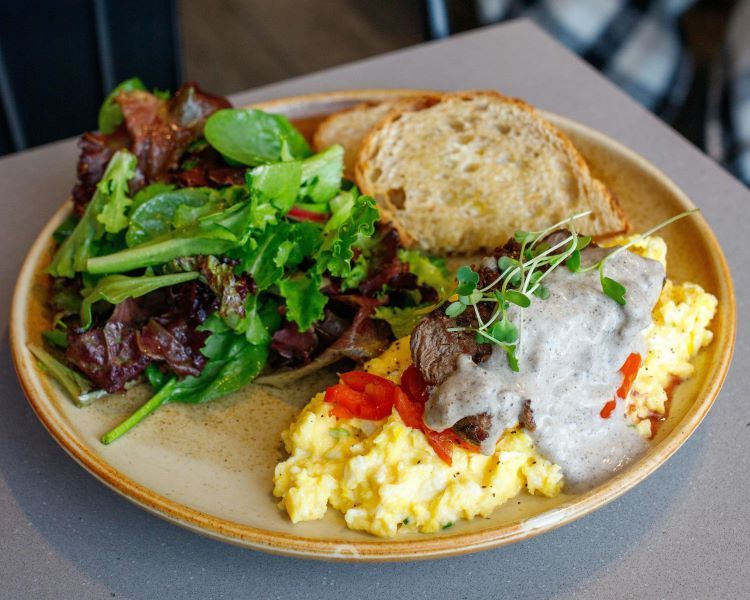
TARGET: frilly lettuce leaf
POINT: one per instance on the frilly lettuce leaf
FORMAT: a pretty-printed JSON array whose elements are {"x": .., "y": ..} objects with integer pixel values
[
  {"x": 304, "y": 300},
  {"x": 353, "y": 217},
  {"x": 431, "y": 272},
  {"x": 105, "y": 212}
]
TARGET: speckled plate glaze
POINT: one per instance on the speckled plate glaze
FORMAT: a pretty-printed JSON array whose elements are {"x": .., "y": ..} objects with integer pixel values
[{"x": 209, "y": 468}]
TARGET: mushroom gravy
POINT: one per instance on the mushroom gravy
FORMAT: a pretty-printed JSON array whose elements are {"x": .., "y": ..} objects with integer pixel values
[{"x": 572, "y": 346}]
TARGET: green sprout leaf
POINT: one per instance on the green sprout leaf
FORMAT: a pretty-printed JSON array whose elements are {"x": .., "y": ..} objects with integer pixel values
[
  {"x": 504, "y": 331},
  {"x": 614, "y": 290},
  {"x": 471, "y": 299},
  {"x": 518, "y": 298},
  {"x": 524, "y": 237},
  {"x": 574, "y": 261},
  {"x": 467, "y": 281},
  {"x": 454, "y": 309},
  {"x": 510, "y": 351},
  {"x": 506, "y": 264},
  {"x": 542, "y": 292}
]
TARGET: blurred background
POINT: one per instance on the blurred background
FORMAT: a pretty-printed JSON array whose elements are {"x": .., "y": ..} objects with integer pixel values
[{"x": 58, "y": 60}]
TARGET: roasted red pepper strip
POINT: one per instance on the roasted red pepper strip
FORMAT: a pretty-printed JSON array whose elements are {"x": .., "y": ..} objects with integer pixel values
[
  {"x": 608, "y": 409},
  {"x": 362, "y": 395},
  {"x": 410, "y": 412},
  {"x": 442, "y": 443},
  {"x": 366, "y": 396},
  {"x": 629, "y": 372},
  {"x": 358, "y": 380},
  {"x": 342, "y": 413},
  {"x": 414, "y": 384}
]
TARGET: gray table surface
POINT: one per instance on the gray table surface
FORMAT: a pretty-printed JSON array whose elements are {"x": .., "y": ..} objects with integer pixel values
[{"x": 683, "y": 533}]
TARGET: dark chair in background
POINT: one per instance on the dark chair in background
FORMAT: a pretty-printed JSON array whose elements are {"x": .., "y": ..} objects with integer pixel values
[
  {"x": 702, "y": 32},
  {"x": 58, "y": 60},
  {"x": 443, "y": 18}
]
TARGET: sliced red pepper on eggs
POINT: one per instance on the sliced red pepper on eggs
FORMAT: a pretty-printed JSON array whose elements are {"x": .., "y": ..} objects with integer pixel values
[
  {"x": 364, "y": 395},
  {"x": 629, "y": 372}
]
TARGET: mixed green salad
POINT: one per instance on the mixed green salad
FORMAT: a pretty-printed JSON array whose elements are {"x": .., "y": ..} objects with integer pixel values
[{"x": 208, "y": 247}]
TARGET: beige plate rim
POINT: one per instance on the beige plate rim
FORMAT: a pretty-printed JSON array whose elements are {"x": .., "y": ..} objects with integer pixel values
[{"x": 375, "y": 550}]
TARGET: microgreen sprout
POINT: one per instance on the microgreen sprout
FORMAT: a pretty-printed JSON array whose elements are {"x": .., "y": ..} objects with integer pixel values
[
  {"x": 521, "y": 278},
  {"x": 615, "y": 289}
]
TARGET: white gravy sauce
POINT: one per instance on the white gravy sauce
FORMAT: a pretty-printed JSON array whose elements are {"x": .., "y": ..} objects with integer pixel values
[{"x": 572, "y": 347}]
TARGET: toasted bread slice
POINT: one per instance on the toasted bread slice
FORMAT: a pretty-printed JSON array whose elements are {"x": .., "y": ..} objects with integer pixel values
[
  {"x": 350, "y": 126},
  {"x": 462, "y": 172}
]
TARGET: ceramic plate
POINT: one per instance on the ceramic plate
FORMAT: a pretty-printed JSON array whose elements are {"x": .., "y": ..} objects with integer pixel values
[{"x": 209, "y": 468}]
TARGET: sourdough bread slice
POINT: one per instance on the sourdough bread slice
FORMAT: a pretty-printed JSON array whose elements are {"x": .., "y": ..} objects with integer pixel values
[
  {"x": 350, "y": 126},
  {"x": 462, "y": 172}
]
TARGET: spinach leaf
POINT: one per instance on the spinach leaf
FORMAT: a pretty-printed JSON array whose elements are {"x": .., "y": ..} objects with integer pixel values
[
  {"x": 232, "y": 363},
  {"x": 110, "y": 115},
  {"x": 149, "y": 192},
  {"x": 81, "y": 244},
  {"x": 316, "y": 179},
  {"x": 218, "y": 200},
  {"x": 252, "y": 137},
  {"x": 211, "y": 239},
  {"x": 116, "y": 288},
  {"x": 304, "y": 300},
  {"x": 154, "y": 216},
  {"x": 156, "y": 378}
]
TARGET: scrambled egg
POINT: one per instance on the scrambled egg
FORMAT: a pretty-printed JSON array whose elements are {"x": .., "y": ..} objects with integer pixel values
[
  {"x": 678, "y": 332},
  {"x": 385, "y": 478}
]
